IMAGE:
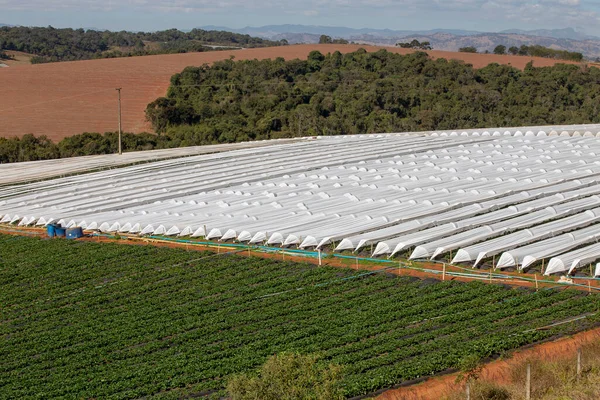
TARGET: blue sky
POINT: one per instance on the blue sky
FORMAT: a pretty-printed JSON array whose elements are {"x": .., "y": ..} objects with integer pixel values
[{"x": 482, "y": 15}]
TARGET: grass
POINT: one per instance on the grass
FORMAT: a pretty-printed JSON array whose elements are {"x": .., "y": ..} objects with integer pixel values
[{"x": 554, "y": 379}]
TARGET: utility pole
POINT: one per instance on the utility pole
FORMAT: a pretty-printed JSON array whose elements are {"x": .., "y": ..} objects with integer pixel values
[{"x": 120, "y": 148}]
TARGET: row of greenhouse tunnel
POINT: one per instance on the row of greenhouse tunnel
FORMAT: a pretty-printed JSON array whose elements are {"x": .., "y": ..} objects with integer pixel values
[{"x": 487, "y": 199}]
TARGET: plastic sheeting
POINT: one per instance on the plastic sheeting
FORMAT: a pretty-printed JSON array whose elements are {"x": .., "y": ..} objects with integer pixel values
[
  {"x": 523, "y": 257},
  {"x": 449, "y": 231},
  {"x": 489, "y": 248},
  {"x": 447, "y": 244},
  {"x": 354, "y": 190},
  {"x": 159, "y": 194},
  {"x": 570, "y": 261},
  {"x": 562, "y": 191},
  {"x": 35, "y": 170}
]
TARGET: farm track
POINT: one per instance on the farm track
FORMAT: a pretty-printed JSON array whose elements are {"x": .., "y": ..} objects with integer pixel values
[
  {"x": 68, "y": 98},
  {"x": 498, "y": 371}
]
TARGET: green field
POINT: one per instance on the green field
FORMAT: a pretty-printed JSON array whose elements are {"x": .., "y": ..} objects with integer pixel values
[{"x": 83, "y": 320}]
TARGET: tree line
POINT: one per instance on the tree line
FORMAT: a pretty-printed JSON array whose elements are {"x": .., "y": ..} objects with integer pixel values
[
  {"x": 364, "y": 92},
  {"x": 340, "y": 94},
  {"x": 531, "y": 51},
  {"x": 325, "y": 39},
  {"x": 34, "y": 148},
  {"x": 415, "y": 44},
  {"x": 51, "y": 44}
]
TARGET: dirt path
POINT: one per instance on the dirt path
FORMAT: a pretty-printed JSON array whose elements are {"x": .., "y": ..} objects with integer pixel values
[{"x": 496, "y": 371}]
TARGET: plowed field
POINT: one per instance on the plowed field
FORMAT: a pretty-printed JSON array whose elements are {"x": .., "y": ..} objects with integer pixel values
[{"x": 67, "y": 98}]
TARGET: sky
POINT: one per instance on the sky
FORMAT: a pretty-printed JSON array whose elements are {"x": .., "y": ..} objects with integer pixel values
[{"x": 151, "y": 15}]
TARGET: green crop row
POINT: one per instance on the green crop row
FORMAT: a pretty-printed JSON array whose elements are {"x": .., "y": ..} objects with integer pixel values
[{"x": 84, "y": 320}]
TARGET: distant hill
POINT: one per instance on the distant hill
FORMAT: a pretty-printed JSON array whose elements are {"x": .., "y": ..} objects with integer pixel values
[
  {"x": 273, "y": 31},
  {"x": 566, "y": 33},
  {"x": 590, "y": 48},
  {"x": 48, "y": 44},
  {"x": 442, "y": 39}
]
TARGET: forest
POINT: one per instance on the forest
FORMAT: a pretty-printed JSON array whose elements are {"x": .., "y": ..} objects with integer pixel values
[
  {"x": 34, "y": 148},
  {"x": 362, "y": 92},
  {"x": 541, "y": 51},
  {"x": 52, "y": 45},
  {"x": 337, "y": 94},
  {"x": 530, "y": 51}
]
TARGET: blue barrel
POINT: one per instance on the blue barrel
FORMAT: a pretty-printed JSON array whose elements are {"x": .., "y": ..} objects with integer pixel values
[
  {"x": 60, "y": 231},
  {"x": 51, "y": 229},
  {"x": 74, "y": 233}
]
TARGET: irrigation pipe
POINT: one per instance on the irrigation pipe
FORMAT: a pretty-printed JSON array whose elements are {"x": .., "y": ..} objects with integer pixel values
[
  {"x": 313, "y": 254},
  {"x": 567, "y": 321},
  {"x": 328, "y": 283},
  {"x": 20, "y": 232}
]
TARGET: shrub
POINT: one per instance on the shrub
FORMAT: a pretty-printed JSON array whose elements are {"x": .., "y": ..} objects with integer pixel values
[{"x": 289, "y": 377}]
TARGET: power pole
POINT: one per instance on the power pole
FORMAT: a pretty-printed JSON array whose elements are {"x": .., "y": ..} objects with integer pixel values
[{"x": 120, "y": 147}]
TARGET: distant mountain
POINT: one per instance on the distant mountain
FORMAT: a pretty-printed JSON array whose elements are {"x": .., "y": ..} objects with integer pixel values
[
  {"x": 566, "y": 33},
  {"x": 590, "y": 48},
  {"x": 294, "y": 38},
  {"x": 1, "y": 25},
  {"x": 272, "y": 31},
  {"x": 441, "y": 39}
]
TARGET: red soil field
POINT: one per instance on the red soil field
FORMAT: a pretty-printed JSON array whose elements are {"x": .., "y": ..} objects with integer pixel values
[{"x": 68, "y": 98}]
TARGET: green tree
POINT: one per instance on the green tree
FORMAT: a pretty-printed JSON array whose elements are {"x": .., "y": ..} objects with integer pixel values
[
  {"x": 340, "y": 41},
  {"x": 289, "y": 377},
  {"x": 341, "y": 94},
  {"x": 415, "y": 44},
  {"x": 51, "y": 44},
  {"x": 513, "y": 50},
  {"x": 500, "y": 49},
  {"x": 468, "y": 49},
  {"x": 523, "y": 50},
  {"x": 324, "y": 39},
  {"x": 426, "y": 46}
]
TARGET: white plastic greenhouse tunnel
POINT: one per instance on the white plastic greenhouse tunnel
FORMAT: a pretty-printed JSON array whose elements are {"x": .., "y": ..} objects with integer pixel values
[{"x": 516, "y": 196}]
